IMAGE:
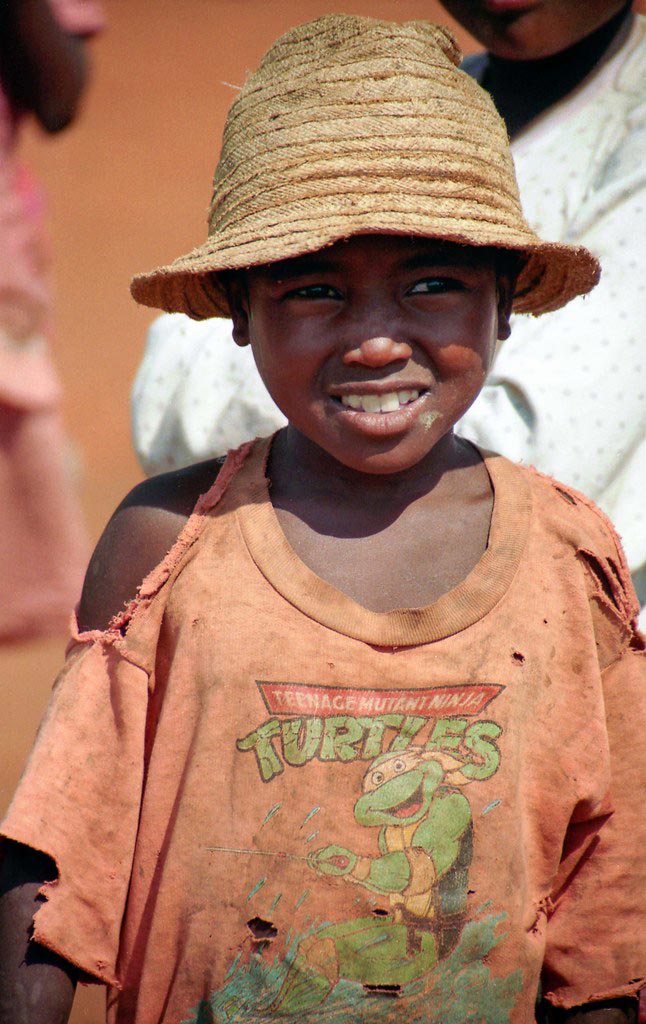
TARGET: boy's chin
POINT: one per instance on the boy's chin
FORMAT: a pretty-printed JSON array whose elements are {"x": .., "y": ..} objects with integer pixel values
[{"x": 388, "y": 456}]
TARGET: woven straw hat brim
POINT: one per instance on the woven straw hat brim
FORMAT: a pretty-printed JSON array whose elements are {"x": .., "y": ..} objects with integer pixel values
[
  {"x": 551, "y": 276},
  {"x": 352, "y": 126}
]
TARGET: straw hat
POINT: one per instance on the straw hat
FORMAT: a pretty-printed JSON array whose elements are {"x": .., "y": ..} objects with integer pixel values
[{"x": 350, "y": 126}]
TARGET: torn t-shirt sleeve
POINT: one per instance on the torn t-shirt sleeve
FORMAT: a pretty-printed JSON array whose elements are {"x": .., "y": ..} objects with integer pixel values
[
  {"x": 79, "y": 799},
  {"x": 596, "y": 934},
  {"x": 596, "y": 938}
]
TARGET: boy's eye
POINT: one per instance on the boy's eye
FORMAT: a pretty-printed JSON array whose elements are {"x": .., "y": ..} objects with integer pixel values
[
  {"x": 434, "y": 286},
  {"x": 314, "y": 291}
]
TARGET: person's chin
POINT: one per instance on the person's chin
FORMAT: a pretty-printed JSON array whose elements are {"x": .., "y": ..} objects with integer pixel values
[
  {"x": 510, "y": 7},
  {"x": 513, "y": 30}
]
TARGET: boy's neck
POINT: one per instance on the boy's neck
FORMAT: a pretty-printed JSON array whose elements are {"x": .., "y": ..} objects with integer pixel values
[
  {"x": 387, "y": 541},
  {"x": 522, "y": 90},
  {"x": 297, "y": 464}
]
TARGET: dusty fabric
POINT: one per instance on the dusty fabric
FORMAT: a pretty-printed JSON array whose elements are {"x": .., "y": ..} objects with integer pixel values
[
  {"x": 352, "y": 126},
  {"x": 579, "y": 374},
  {"x": 43, "y": 545},
  {"x": 267, "y": 803}
]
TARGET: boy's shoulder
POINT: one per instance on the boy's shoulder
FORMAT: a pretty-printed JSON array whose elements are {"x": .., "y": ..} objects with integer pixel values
[
  {"x": 139, "y": 534},
  {"x": 576, "y": 524},
  {"x": 567, "y": 512}
]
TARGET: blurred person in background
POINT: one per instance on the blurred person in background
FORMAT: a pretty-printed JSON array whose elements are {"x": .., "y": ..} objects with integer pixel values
[
  {"x": 196, "y": 395},
  {"x": 569, "y": 78},
  {"x": 42, "y": 536},
  {"x": 569, "y": 395}
]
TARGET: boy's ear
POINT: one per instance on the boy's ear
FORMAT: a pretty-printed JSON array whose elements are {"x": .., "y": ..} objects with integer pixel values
[
  {"x": 506, "y": 285},
  {"x": 235, "y": 287}
]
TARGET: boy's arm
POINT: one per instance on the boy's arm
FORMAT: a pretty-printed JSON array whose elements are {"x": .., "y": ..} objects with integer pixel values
[
  {"x": 142, "y": 530},
  {"x": 36, "y": 986}
]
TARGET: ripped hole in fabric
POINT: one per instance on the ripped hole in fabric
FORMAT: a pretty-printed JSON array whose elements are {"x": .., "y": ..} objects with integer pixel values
[
  {"x": 615, "y": 571},
  {"x": 608, "y": 586},
  {"x": 566, "y": 497},
  {"x": 390, "y": 991},
  {"x": 262, "y": 931},
  {"x": 380, "y": 912}
]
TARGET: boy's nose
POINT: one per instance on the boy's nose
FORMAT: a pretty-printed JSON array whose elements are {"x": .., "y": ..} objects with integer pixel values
[{"x": 378, "y": 352}]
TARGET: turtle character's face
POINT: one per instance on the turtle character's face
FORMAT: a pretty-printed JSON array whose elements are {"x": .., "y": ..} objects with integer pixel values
[{"x": 398, "y": 788}]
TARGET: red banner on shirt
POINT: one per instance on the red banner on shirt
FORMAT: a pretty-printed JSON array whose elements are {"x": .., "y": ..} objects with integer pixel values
[{"x": 325, "y": 701}]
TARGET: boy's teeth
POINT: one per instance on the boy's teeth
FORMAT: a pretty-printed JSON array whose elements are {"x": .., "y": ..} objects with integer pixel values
[
  {"x": 372, "y": 403},
  {"x": 380, "y": 403},
  {"x": 389, "y": 403}
]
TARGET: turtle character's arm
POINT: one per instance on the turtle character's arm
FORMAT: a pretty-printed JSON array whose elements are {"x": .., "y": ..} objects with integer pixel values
[
  {"x": 389, "y": 873},
  {"x": 433, "y": 850}
]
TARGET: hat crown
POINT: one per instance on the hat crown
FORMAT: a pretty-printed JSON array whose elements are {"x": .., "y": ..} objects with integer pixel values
[
  {"x": 351, "y": 101},
  {"x": 326, "y": 40},
  {"x": 353, "y": 125}
]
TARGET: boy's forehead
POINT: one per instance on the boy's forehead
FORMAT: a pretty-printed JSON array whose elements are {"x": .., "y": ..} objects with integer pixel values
[{"x": 407, "y": 250}]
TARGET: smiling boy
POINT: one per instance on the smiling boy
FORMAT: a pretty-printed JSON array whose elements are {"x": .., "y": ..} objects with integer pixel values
[
  {"x": 364, "y": 744},
  {"x": 371, "y": 349}
]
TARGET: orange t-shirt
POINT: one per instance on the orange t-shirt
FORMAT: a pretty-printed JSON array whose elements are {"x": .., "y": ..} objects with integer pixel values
[{"x": 267, "y": 803}]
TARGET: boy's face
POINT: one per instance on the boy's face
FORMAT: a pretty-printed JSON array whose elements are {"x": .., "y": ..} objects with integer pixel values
[
  {"x": 374, "y": 346},
  {"x": 531, "y": 29}
]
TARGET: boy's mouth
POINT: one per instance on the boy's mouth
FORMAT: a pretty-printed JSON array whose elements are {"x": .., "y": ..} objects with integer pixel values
[{"x": 392, "y": 401}]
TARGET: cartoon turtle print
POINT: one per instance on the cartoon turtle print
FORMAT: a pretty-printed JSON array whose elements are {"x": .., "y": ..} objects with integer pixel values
[{"x": 415, "y": 799}]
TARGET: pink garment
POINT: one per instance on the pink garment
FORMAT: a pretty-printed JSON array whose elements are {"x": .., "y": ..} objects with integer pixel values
[
  {"x": 80, "y": 17},
  {"x": 42, "y": 540},
  {"x": 42, "y": 535}
]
